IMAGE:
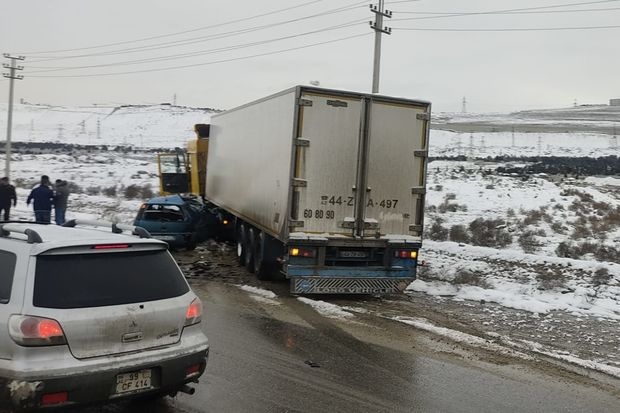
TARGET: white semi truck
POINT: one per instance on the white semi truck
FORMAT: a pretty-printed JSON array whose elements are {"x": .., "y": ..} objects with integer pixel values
[{"x": 325, "y": 187}]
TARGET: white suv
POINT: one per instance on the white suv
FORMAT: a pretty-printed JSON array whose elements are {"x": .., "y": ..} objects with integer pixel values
[{"x": 92, "y": 315}]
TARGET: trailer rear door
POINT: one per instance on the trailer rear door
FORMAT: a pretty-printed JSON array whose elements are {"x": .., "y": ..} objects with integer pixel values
[
  {"x": 326, "y": 161},
  {"x": 396, "y": 167}
]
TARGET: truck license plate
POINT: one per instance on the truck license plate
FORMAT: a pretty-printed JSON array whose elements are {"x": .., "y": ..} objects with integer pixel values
[
  {"x": 353, "y": 254},
  {"x": 137, "y": 380}
]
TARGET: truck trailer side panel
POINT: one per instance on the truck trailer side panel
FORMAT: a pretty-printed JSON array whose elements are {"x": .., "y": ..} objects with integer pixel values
[{"x": 249, "y": 163}]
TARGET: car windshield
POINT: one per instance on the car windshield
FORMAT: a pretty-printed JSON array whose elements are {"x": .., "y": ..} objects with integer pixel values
[{"x": 95, "y": 280}]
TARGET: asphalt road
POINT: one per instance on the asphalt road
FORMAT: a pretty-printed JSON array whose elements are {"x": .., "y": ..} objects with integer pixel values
[{"x": 280, "y": 355}]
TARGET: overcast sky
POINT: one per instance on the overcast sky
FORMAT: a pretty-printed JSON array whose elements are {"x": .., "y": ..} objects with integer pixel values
[{"x": 499, "y": 55}]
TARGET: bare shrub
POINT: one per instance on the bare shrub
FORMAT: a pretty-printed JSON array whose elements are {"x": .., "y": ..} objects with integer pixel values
[
  {"x": 447, "y": 207},
  {"x": 528, "y": 242},
  {"x": 550, "y": 278},
  {"x": 438, "y": 232},
  {"x": 489, "y": 233},
  {"x": 606, "y": 253},
  {"x": 581, "y": 231},
  {"x": 565, "y": 250},
  {"x": 468, "y": 277},
  {"x": 438, "y": 188},
  {"x": 147, "y": 191},
  {"x": 93, "y": 190},
  {"x": 109, "y": 191},
  {"x": 74, "y": 188},
  {"x": 601, "y": 277},
  {"x": 458, "y": 233},
  {"x": 558, "y": 228},
  {"x": 132, "y": 191},
  {"x": 532, "y": 217}
]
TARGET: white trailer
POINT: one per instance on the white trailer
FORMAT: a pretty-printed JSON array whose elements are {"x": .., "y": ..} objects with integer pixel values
[{"x": 326, "y": 187}]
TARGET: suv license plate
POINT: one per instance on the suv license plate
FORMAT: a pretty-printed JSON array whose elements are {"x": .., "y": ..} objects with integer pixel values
[{"x": 137, "y": 380}]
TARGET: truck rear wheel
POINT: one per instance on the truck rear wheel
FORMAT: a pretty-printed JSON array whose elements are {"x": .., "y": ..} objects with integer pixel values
[
  {"x": 248, "y": 255},
  {"x": 241, "y": 244},
  {"x": 261, "y": 266}
]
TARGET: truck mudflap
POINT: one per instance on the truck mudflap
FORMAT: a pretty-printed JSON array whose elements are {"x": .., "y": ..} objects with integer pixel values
[{"x": 349, "y": 285}]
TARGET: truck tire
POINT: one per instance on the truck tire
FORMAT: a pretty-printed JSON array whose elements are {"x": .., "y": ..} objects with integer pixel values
[
  {"x": 248, "y": 255},
  {"x": 241, "y": 244},
  {"x": 262, "y": 269}
]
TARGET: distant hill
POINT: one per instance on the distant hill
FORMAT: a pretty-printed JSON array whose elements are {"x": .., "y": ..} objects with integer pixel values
[
  {"x": 142, "y": 126},
  {"x": 588, "y": 118}
]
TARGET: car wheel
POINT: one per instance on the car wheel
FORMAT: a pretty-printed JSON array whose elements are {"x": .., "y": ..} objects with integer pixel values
[{"x": 249, "y": 250}]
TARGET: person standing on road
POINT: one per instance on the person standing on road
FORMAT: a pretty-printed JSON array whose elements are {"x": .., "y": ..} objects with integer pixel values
[
  {"x": 61, "y": 195},
  {"x": 7, "y": 194},
  {"x": 43, "y": 198}
]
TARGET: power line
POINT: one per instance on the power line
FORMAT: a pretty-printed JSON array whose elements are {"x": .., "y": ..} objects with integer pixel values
[
  {"x": 462, "y": 14},
  {"x": 200, "y": 53},
  {"x": 178, "y": 33},
  {"x": 532, "y": 29},
  {"x": 442, "y": 14},
  {"x": 183, "y": 42},
  {"x": 205, "y": 63}
]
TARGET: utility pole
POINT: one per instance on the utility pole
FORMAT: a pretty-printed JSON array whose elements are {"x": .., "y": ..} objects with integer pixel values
[
  {"x": 9, "y": 124},
  {"x": 379, "y": 29},
  {"x": 464, "y": 108}
]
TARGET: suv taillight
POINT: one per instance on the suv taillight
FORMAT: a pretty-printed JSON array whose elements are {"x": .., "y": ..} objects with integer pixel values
[
  {"x": 193, "y": 315},
  {"x": 29, "y": 330}
]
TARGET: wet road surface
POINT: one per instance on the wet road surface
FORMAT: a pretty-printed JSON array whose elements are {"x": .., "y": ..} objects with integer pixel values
[{"x": 280, "y": 355}]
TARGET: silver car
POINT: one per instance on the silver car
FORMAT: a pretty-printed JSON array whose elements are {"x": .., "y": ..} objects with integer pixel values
[{"x": 93, "y": 316}]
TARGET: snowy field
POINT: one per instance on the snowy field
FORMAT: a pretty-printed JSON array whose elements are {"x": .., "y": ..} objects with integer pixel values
[{"x": 553, "y": 245}]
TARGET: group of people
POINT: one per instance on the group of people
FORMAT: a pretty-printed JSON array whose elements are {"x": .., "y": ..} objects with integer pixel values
[{"x": 44, "y": 196}]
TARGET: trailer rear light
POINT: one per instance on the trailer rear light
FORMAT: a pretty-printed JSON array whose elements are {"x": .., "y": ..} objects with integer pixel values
[
  {"x": 50, "y": 399},
  {"x": 411, "y": 254},
  {"x": 110, "y": 246},
  {"x": 302, "y": 252},
  {"x": 35, "y": 331},
  {"x": 193, "y": 315}
]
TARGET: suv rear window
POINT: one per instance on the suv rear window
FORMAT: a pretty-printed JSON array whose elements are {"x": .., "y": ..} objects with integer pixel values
[
  {"x": 96, "y": 280},
  {"x": 7, "y": 268}
]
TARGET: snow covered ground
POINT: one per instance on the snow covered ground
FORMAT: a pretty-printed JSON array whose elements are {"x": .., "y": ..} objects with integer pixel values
[{"x": 559, "y": 237}]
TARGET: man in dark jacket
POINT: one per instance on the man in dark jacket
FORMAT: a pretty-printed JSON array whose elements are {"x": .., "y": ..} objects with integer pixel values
[
  {"x": 43, "y": 198},
  {"x": 7, "y": 197},
  {"x": 61, "y": 196}
]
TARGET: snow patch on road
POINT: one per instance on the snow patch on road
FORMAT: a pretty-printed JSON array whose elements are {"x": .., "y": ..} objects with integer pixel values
[
  {"x": 326, "y": 309},
  {"x": 258, "y": 294},
  {"x": 458, "y": 336}
]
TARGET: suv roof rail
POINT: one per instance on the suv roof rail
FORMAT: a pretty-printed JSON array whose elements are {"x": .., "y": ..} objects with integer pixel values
[
  {"x": 33, "y": 236},
  {"x": 116, "y": 228}
]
